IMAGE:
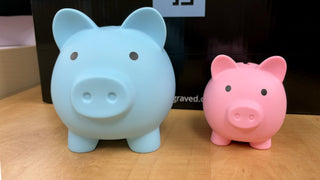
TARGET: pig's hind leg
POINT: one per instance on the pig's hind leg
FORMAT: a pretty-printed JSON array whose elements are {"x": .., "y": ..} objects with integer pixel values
[
  {"x": 219, "y": 140},
  {"x": 261, "y": 145},
  {"x": 81, "y": 144},
  {"x": 146, "y": 143}
]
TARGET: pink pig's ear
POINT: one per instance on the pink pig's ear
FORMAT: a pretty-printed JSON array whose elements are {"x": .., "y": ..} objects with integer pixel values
[
  {"x": 275, "y": 65},
  {"x": 221, "y": 63}
]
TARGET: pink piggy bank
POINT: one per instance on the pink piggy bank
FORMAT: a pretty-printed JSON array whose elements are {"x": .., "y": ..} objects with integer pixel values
[{"x": 245, "y": 102}]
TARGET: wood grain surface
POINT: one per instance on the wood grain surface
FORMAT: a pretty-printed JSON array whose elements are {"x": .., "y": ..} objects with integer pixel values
[{"x": 33, "y": 145}]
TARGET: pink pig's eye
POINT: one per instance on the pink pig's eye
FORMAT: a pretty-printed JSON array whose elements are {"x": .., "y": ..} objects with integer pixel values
[
  {"x": 264, "y": 92},
  {"x": 228, "y": 88}
]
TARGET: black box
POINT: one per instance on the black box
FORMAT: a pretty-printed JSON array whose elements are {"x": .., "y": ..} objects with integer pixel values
[{"x": 246, "y": 30}]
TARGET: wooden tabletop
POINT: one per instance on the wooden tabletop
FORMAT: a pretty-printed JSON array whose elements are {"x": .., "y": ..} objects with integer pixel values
[{"x": 33, "y": 145}]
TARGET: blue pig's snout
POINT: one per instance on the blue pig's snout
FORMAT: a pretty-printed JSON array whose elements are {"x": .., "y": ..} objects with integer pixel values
[{"x": 102, "y": 97}]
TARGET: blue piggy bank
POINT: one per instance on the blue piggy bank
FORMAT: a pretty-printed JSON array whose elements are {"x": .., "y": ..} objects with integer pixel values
[{"x": 114, "y": 82}]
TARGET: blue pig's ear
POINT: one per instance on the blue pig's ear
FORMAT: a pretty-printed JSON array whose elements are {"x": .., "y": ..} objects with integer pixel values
[
  {"x": 149, "y": 21},
  {"x": 67, "y": 22}
]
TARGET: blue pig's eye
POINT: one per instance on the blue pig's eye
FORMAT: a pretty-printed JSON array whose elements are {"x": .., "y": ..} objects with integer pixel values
[
  {"x": 74, "y": 56},
  {"x": 133, "y": 55}
]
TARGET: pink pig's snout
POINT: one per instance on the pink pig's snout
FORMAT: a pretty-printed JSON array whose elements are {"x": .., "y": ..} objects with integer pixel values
[{"x": 245, "y": 115}]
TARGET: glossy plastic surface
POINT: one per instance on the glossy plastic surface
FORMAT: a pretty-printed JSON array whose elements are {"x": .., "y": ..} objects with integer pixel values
[
  {"x": 245, "y": 102},
  {"x": 113, "y": 82}
]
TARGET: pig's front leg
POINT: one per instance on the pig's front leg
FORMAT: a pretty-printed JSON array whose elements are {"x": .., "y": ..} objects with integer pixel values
[
  {"x": 146, "y": 143},
  {"x": 219, "y": 140},
  {"x": 261, "y": 145},
  {"x": 81, "y": 144}
]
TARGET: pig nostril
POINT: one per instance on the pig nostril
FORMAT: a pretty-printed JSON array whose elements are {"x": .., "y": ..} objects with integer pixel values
[
  {"x": 112, "y": 97},
  {"x": 86, "y": 97},
  {"x": 251, "y": 117},
  {"x": 237, "y": 116}
]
